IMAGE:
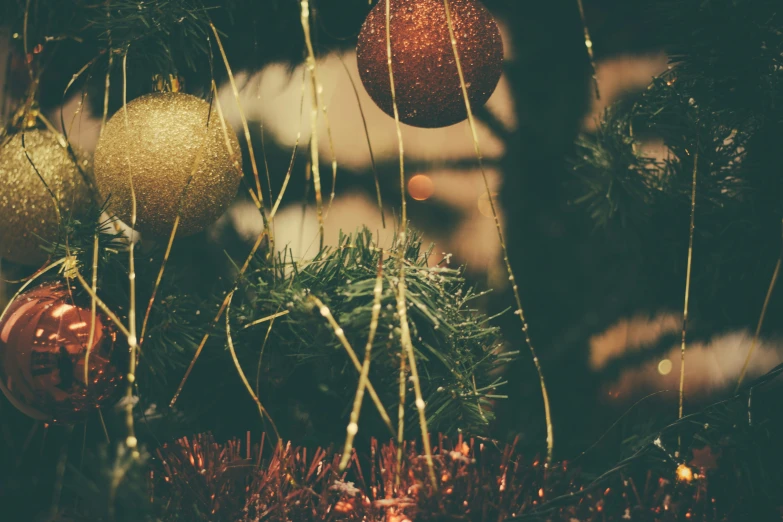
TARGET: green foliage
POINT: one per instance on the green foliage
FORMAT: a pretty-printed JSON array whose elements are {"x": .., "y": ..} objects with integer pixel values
[
  {"x": 718, "y": 98},
  {"x": 458, "y": 352},
  {"x": 168, "y": 33}
]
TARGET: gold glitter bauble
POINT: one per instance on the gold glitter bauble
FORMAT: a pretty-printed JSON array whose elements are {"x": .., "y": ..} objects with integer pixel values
[
  {"x": 27, "y": 212},
  {"x": 165, "y": 135},
  {"x": 426, "y": 81}
]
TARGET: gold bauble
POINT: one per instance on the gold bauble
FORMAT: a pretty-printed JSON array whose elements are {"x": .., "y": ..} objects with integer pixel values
[
  {"x": 164, "y": 142},
  {"x": 27, "y": 213}
]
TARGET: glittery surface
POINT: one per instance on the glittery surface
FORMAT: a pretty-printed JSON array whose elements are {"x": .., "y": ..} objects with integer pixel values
[
  {"x": 427, "y": 84},
  {"x": 43, "y": 343},
  {"x": 27, "y": 212},
  {"x": 160, "y": 144}
]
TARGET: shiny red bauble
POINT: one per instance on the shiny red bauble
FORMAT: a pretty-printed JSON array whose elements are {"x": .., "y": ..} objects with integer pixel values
[{"x": 45, "y": 344}]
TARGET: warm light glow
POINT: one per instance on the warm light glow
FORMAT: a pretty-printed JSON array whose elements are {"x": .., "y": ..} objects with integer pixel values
[
  {"x": 484, "y": 206},
  {"x": 665, "y": 367},
  {"x": 39, "y": 332},
  {"x": 76, "y": 326},
  {"x": 684, "y": 473},
  {"x": 60, "y": 310},
  {"x": 420, "y": 187},
  {"x": 343, "y": 506}
]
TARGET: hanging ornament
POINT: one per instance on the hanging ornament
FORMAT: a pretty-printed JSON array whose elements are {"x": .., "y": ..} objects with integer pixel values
[
  {"x": 164, "y": 142},
  {"x": 426, "y": 81},
  {"x": 28, "y": 215},
  {"x": 44, "y": 347}
]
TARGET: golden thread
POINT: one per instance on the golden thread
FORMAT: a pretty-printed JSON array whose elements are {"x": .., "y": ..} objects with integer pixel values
[
  {"x": 369, "y": 143},
  {"x": 287, "y": 178},
  {"x": 269, "y": 328},
  {"x": 405, "y": 340},
  {"x": 88, "y": 180},
  {"x": 106, "y": 96},
  {"x": 338, "y": 332},
  {"x": 57, "y": 134},
  {"x": 93, "y": 309},
  {"x": 263, "y": 348},
  {"x": 589, "y": 47},
  {"x": 246, "y": 129},
  {"x": 261, "y": 410},
  {"x": 103, "y": 425},
  {"x": 114, "y": 319},
  {"x": 293, "y": 152},
  {"x": 353, "y": 425},
  {"x": 108, "y": 74},
  {"x": 78, "y": 112},
  {"x": 400, "y": 420},
  {"x": 404, "y": 219},
  {"x": 162, "y": 269},
  {"x": 311, "y": 67},
  {"x": 308, "y": 172},
  {"x": 131, "y": 440},
  {"x": 46, "y": 185},
  {"x": 24, "y": 38},
  {"x": 214, "y": 322},
  {"x": 515, "y": 288},
  {"x": 259, "y": 239},
  {"x": 761, "y": 320},
  {"x": 320, "y": 102},
  {"x": 688, "y": 277},
  {"x": 28, "y": 283},
  {"x": 241, "y": 112},
  {"x": 407, "y": 345},
  {"x": 230, "y": 148},
  {"x": 183, "y": 196},
  {"x": 265, "y": 319}
]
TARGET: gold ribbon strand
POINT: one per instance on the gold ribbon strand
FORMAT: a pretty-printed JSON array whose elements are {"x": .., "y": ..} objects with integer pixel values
[{"x": 519, "y": 311}]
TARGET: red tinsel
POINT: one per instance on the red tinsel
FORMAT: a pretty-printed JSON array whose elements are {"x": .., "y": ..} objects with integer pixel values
[{"x": 200, "y": 479}]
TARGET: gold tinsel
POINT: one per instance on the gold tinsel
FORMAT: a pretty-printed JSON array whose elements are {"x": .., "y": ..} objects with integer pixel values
[
  {"x": 27, "y": 210},
  {"x": 165, "y": 136}
]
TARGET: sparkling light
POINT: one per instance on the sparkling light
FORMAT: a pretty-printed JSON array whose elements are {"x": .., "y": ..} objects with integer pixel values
[{"x": 684, "y": 473}]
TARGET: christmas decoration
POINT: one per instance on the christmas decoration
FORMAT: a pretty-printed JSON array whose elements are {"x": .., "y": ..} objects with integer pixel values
[
  {"x": 28, "y": 189},
  {"x": 45, "y": 343},
  {"x": 181, "y": 159},
  {"x": 426, "y": 81},
  {"x": 295, "y": 329},
  {"x": 463, "y": 351},
  {"x": 198, "y": 478}
]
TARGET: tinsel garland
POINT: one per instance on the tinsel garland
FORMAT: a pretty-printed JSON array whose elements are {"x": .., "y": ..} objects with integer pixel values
[
  {"x": 197, "y": 478},
  {"x": 719, "y": 464}
]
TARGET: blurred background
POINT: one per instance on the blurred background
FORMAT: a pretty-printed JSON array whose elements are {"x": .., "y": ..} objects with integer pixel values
[{"x": 605, "y": 316}]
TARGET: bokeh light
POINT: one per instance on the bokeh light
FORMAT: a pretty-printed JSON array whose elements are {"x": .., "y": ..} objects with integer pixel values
[
  {"x": 420, "y": 187},
  {"x": 484, "y": 205},
  {"x": 665, "y": 367}
]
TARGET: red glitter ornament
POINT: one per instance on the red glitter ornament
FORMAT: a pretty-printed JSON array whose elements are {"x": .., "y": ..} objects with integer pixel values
[
  {"x": 426, "y": 81},
  {"x": 44, "y": 339}
]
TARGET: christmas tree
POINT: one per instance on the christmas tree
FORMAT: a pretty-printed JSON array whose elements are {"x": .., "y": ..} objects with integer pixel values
[{"x": 208, "y": 318}]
